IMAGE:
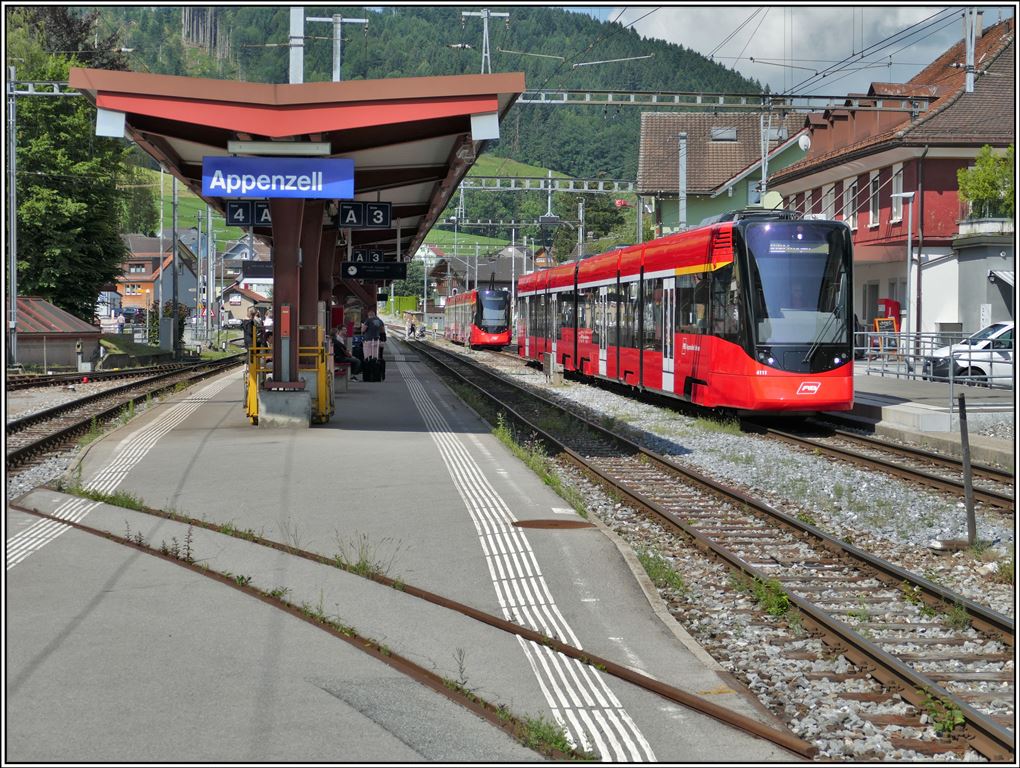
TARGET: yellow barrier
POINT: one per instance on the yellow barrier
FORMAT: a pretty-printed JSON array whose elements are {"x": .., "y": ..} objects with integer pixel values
[{"x": 260, "y": 365}]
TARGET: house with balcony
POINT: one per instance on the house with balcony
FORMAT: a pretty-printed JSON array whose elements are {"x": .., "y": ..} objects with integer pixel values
[
  {"x": 892, "y": 176},
  {"x": 724, "y": 159}
]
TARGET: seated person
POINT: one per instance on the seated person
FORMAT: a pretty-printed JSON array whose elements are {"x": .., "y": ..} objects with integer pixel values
[{"x": 340, "y": 354}]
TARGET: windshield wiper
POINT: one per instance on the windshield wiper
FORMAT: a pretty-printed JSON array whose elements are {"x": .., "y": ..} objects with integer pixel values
[{"x": 818, "y": 338}]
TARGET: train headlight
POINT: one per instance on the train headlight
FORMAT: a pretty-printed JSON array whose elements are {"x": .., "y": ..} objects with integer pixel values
[{"x": 837, "y": 360}]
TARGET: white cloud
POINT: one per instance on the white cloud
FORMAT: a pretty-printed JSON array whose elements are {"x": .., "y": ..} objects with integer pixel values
[{"x": 830, "y": 34}]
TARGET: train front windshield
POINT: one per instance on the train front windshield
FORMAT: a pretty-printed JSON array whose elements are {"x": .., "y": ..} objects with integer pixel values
[
  {"x": 799, "y": 282},
  {"x": 493, "y": 313}
]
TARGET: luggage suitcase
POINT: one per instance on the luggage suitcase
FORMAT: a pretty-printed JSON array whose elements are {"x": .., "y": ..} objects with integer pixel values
[{"x": 370, "y": 371}]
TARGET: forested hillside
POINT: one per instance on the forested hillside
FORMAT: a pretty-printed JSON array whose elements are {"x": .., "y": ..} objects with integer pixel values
[{"x": 249, "y": 43}]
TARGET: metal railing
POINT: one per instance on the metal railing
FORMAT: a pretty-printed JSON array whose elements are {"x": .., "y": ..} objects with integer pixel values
[{"x": 935, "y": 357}]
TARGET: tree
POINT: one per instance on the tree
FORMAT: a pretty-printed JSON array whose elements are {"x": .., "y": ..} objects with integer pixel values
[
  {"x": 69, "y": 208},
  {"x": 988, "y": 185},
  {"x": 413, "y": 284}
]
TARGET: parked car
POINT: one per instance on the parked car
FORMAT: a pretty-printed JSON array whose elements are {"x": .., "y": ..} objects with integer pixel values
[
  {"x": 985, "y": 357},
  {"x": 232, "y": 322}
]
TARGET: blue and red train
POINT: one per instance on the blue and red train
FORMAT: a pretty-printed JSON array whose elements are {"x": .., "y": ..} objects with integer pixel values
[
  {"x": 478, "y": 318},
  {"x": 752, "y": 313}
]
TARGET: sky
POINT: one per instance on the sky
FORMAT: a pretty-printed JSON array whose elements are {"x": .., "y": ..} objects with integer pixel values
[{"x": 789, "y": 44}]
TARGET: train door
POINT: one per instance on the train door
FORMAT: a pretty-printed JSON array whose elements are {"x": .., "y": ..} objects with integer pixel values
[
  {"x": 525, "y": 321},
  {"x": 602, "y": 326},
  {"x": 668, "y": 331},
  {"x": 554, "y": 323}
]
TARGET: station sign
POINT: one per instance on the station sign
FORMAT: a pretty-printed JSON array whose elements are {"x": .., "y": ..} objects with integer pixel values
[
  {"x": 387, "y": 270},
  {"x": 365, "y": 215},
  {"x": 248, "y": 213},
  {"x": 296, "y": 177}
]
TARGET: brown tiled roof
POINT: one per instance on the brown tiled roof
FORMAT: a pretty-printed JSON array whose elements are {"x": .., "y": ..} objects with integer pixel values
[
  {"x": 985, "y": 116},
  {"x": 709, "y": 163},
  {"x": 36, "y": 315}
]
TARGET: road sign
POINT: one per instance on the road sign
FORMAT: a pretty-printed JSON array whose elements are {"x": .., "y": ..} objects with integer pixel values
[
  {"x": 239, "y": 213},
  {"x": 387, "y": 270}
]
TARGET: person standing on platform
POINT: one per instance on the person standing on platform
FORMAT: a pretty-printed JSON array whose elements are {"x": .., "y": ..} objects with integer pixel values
[
  {"x": 120, "y": 323},
  {"x": 373, "y": 329}
]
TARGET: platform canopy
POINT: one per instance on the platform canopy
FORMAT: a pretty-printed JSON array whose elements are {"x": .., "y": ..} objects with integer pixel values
[{"x": 411, "y": 139}]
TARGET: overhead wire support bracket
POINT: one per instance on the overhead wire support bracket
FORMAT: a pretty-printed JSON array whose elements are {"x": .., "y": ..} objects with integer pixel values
[{"x": 731, "y": 101}]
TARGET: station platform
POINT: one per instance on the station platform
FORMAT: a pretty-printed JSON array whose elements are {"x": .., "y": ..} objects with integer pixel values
[
  {"x": 926, "y": 413},
  {"x": 115, "y": 656}
]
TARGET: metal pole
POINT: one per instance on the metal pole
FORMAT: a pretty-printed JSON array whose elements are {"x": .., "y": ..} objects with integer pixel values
[
  {"x": 910, "y": 266},
  {"x": 338, "y": 41},
  {"x": 968, "y": 479},
  {"x": 297, "y": 45},
  {"x": 640, "y": 220},
  {"x": 210, "y": 258},
  {"x": 173, "y": 269},
  {"x": 476, "y": 266},
  {"x": 12, "y": 224},
  {"x": 580, "y": 230},
  {"x": 162, "y": 251},
  {"x": 681, "y": 194},
  {"x": 513, "y": 276}
]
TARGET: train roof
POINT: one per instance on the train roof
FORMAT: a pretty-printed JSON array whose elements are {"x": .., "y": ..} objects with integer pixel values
[
  {"x": 601, "y": 267},
  {"x": 562, "y": 276}
]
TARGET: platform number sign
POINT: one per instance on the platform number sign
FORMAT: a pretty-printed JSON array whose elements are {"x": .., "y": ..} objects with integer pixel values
[
  {"x": 239, "y": 213},
  {"x": 352, "y": 215},
  {"x": 262, "y": 216},
  {"x": 365, "y": 215},
  {"x": 365, "y": 256},
  {"x": 248, "y": 213},
  {"x": 378, "y": 214}
]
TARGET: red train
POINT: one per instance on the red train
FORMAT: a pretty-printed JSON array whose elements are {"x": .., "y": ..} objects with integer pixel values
[
  {"x": 478, "y": 318},
  {"x": 752, "y": 313}
]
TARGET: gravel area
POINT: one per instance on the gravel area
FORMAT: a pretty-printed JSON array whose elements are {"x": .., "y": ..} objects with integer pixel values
[{"x": 891, "y": 518}]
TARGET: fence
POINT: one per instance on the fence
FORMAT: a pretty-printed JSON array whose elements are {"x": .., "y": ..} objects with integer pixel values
[{"x": 937, "y": 357}]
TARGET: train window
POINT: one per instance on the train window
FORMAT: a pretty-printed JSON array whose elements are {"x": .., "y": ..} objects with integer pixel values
[
  {"x": 614, "y": 303},
  {"x": 566, "y": 307},
  {"x": 653, "y": 315},
  {"x": 726, "y": 304},
  {"x": 630, "y": 309},
  {"x": 699, "y": 309},
  {"x": 798, "y": 270}
]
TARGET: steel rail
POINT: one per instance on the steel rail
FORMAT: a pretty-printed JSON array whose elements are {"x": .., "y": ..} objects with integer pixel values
[
  {"x": 28, "y": 380},
  {"x": 47, "y": 442},
  {"x": 992, "y": 473},
  {"x": 781, "y": 738},
  {"x": 984, "y": 733},
  {"x": 494, "y": 715},
  {"x": 955, "y": 487}
]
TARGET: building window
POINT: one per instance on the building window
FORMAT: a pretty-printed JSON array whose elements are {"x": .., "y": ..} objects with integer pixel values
[
  {"x": 897, "y": 188},
  {"x": 724, "y": 134},
  {"x": 873, "y": 200},
  {"x": 136, "y": 268},
  {"x": 808, "y": 202},
  {"x": 754, "y": 193},
  {"x": 850, "y": 203},
  {"x": 829, "y": 201}
]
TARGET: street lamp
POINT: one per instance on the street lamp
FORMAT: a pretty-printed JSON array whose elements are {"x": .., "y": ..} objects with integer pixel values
[{"x": 910, "y": 263}]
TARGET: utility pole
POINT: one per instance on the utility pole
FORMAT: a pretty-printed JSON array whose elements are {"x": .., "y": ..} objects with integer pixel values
[
  {"x": 338, "y": 39},
  {"x": 580, "y": 230},
  {"x": 12, "y": 223},
  {"x": 970, "y": 16},
  {"x": 485, "y": 14}
]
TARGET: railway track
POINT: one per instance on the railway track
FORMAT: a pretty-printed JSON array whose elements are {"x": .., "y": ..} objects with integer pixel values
[
  {"x": 33, "y": 436},
  {"x": 992, "y": 486},
  {"x": 30, "y": 380},
  {"x": 948, "y": 656}
]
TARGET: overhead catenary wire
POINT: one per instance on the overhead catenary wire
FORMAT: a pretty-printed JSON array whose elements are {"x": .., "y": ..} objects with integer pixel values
[{"x": 874, "y": 48}]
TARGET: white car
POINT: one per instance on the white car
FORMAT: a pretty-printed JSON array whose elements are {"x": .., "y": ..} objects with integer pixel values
[
  {"x": 232, "y": 322},
  {"x": 985, "y": 357}
]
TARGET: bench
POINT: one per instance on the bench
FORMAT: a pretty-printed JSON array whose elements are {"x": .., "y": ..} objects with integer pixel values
[{"x": 341, "y": 372}]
